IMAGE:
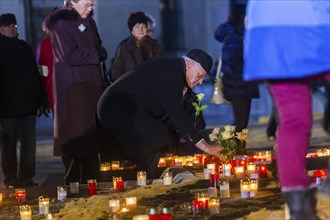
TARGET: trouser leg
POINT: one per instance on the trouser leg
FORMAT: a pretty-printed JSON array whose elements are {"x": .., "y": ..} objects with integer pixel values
[
  {"x": 293, "y": 103},
  {"x": 149, "y": 162},
  {"x": 241, "y": 110},
  {"x": 28, "y": 149},
  {"x": 9, "y": 131}
]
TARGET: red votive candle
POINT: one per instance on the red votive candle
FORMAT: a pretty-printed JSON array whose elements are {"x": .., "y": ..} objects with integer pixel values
[
  {"x": 120, "y": 186},
  {"x": 214, "y": 180},
  {"x": 197, "y": 206},
  {"x": 20, "y": 195},
  {"x": 262, "y": 169},
  {"x": 91, "y": 186}
]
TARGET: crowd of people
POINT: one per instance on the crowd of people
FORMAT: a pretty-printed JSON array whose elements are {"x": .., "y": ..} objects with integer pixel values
[{"x": 147, "y": 109}]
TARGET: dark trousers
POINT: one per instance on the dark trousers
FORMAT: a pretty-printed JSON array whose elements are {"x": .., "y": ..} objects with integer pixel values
[
  {"x": 241, "y": 109},
  {"x": 149, "y": 162},
  {"x": 24, "y": 130},
  {"x": 81, "y": 168}
]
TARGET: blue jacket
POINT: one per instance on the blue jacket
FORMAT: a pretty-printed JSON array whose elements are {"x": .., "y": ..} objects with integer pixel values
[{"x": 232, "y": 64}]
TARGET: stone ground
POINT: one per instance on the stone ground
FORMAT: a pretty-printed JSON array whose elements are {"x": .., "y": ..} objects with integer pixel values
[{"x": 178, "y": 197}]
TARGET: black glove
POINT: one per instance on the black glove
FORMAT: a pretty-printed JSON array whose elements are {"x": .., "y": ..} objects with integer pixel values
[
  {"x": 44, "y": 108},
  {"x": 102, "y": 53}
]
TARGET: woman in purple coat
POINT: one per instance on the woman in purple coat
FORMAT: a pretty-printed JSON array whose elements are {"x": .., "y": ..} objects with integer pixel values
[{"x": 77, "y": 88}]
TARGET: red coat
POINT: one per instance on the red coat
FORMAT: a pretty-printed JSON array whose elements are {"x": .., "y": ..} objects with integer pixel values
[
  {"x": 46, "y": 58},
  {"x": 77, "y": 82}
]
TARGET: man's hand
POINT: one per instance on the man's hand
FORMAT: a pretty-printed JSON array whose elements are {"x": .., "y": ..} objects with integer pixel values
[{"x": 210, "y": 149}]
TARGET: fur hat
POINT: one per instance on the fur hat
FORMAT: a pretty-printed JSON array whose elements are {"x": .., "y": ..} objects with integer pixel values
[
  {"x": 136, "y": 17},
  {"x": 7, "y": 19},
  {"x": 202, "y": 58}
]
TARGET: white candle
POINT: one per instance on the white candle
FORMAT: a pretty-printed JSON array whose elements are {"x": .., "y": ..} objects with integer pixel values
[
  {"x": 251, "y": 168},
  {"x": 245, "y": 189},
  {"x": 25, "y": 212},
  {"x": 207, "y": 173},
  {"x": 43, "y": 205},
  {"x": 211, "y": 166},
  {"x": 239, "y": 172},
  {"x": 227, "y": 169},
  {"x": 167, "y": 178},
  {"x": 224, "y": 188},
  {"x": 61, "y": 193},
  {"x": 74, "y": 187},
  {"x": 130, "y": 202},
  {"x": 214, "y": 206},
  {"x": 114, "y": 181},
  {"x": 141, "y": 178},
  {"x": 253, "y": 187},
  {"x": 114, "y": 205}
]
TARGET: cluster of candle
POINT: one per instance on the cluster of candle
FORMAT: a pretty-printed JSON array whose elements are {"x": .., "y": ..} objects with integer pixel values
[
  {"x": 204, "y": 202},
  {"x": 249, "y": 188},
  {"x": 116, "y": 206},
  {"x": 319, "y": 176},
  {"x": 118, "y": 184},
  {"x": 319, "y": 153}
]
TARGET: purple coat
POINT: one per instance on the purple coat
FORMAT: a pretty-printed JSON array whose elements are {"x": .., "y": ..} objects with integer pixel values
[{"x": 77, "y": 82}]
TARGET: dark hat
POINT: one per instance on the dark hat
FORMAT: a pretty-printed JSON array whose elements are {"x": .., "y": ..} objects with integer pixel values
[
  {"x": 202, "y": 58},
  {"x": 136, "y": 17},
  {"x": 7, "y": 19}
]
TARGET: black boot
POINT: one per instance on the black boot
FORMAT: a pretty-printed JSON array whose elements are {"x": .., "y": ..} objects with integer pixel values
[{"x": 302, "y": 204}]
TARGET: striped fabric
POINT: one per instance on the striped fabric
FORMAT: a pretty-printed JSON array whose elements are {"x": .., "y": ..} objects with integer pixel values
[{"x": 287, "y": 39}]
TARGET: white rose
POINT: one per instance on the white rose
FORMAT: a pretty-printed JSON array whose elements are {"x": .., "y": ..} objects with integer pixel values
[
  {"x": 227, "y": 135},
  {"x": 200, "y": 96},
  {"x": 213, "y": 137}
]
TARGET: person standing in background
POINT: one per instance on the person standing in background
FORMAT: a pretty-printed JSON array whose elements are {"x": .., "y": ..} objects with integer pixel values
[
  {"x": 287, "y": 44},
  {"x": 151, "y": 24},
  {"x": 77, "y": 87},
  {"x": 135, "y": 49},
  {"x": 235, "y": 89},
  {"x": 21, "y": 98}
]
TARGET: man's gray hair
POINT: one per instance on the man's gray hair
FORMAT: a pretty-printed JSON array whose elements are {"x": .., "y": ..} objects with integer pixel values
[{"x": 186, "y": 59}]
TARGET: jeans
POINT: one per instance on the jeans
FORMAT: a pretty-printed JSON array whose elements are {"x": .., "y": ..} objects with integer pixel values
[{"x": 11, "y": 130}]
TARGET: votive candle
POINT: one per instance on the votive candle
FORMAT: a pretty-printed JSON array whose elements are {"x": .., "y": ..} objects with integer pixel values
[
  {"x": 239, "y": 172},
  {"x": 20, "y": 195},
  {"x": 91, "y": 186},
  {"x": 245, "y": 188},
  {"x": 214, "y": 206},
  {"x": 253, "y": 187},
  {"x": 115, "y": 165},
  {"x": 214, "y": 180},
  {"x": 204, "y": 197},
  {"x": 141, "y": 178},
  {"x": 227, "y": 169},
  {"x": 25, "y": 212},
  {"x": 224, "y": 188},
  {"x": 197, "y": 206},
  {"x": 251, "y": 168},
  {"x": 61, "y": 193},
  {"x": 120, "y": 186},
  {"x": 262, "y": 170},
  {"x": 114, "y": 205},
  {"x": 114, "y": 181},
  {"x": 43, "y": 205},
  {"x": 167, "y": 178},
  {"x": 130, "y": 202}
]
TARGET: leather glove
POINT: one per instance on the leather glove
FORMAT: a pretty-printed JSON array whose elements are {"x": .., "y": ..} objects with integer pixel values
[
  {"x": 44, "y": 108},
  {"x": 102, "y": 53}
]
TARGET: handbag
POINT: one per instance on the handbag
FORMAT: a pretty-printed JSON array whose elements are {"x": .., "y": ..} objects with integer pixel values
[{"x": 217, "y": 97}]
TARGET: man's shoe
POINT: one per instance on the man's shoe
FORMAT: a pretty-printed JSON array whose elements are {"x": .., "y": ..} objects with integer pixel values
[{"x": 12, "y": 184}]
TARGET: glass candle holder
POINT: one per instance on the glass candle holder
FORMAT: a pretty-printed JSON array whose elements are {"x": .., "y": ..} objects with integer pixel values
[
  {"x": 74, "y": 187},
  {"x": 20, "y": 195},
  {"x": 25, "y": 212},
  {"x": 214, "y": 180},
  {"x": 130, "y": 202},
  {"x": 161, "y": 162},
  {"x": 211, "y": 166},
  {"x": 239, "y": 172},
  {"x": 105, "y": 168},
  {"x": 43, "y": 205},
  {"x": 253, "y": 187},
  {"x": 91, "y": 187},
  {"x": 141, "y": 178},
  {"x": 197, "y": 207},
  {"x": 251, "y": 168},
  {"x": 120, "y": 186},
  {"x": 227, "y": 169},
  {"x": 115, "y": 179},
  {"x": 61, "y": 193},
  {"x": 214, "y": 206},
  {"x": 115, "y": 165},
  {"x": 114, "y": 205},
  {"x": 207, "y": 174},
  {"x": 224, "y": 188},
  {"x": 245, "y": 188},
  {"x": 262, "y": 170},
  {"x": 204, "y": 197},
  {"x": 167, "y": 178}
]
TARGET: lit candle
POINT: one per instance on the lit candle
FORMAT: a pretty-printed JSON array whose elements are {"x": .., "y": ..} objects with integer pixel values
[
  {"x": 114, "y": 205},
  {"x": 43, "y": 205},
  {"x": 245, "y": 188},
  {"x": 105, "y": 168},
  {"x": 214, "y": 206},
  {"x": 91, "y": 186},
  {"x": 224, "y": 188},
  {"x": 197, "y": 206},
  {"x": 204, "y": 197},
  {"x": 167, "y": 178},
  {"x": 20, "y": 195},
  {"x": 115, "y": 165},
  {"x": 114, "y": 181},
  {"x": 0, "y": 197},
  {"x": 214, "y": 180},
  {"x": 319, "y": 175},
  {"x": 211, "y": 166},
  {"x": 239, "y": 172},
  {"x": 61, "y": 193},
  {"x": 161, "y": 162},
  {"x": 178, "y": 162},
  {"x": 262, "y": 170},
  {"x": 25, "y": 212},
  {"x": 227, "y": 169},
  {"x": 141, "y": 217},
  {"x": 74, "y": 187},
  {"x": 253, "y": 187},
  {"x": 141, "y": 178},
  {"x": 207, "y": 173},
  {"x": 120, "y": 186},
  {"x": 130, "y": 202},
  {"x": 196, "y": 163},
  {"x": 251, "y": 168}
]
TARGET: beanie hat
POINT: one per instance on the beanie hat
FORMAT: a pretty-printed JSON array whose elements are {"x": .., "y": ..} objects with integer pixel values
[
  {"x": 7, "y": 19},
  {"x": 202, "y": 58},
  {"x": 136, "y": 17}
]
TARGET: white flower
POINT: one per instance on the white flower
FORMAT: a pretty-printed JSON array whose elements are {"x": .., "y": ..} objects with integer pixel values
[
  {"x": 227, "y": 135},
  {"x": 216, "y": 130},
  {"x": 230, "y": 128},
  {"x": 200, "y": 97},
  {"x": 213, "y": 137},
  {"x": 82, "y": 27}
]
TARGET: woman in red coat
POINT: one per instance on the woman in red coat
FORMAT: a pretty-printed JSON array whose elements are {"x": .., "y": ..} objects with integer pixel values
[{"x": 77, "y": 88}]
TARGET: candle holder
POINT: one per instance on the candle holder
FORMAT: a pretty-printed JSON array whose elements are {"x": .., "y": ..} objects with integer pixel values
[
  {"x": 214, "y": 180},
  {"x": 43, "y": 205},
  {"x": 115, "y": 179},
  {"x": 262, "y": 170},
  {"x": 239, "y": 172},
  {"x": 20, "y": 195},
  {"x": 224, "y": 188},
  {"x": 197, "y": 207},
  {"x": 130, "y": 202},
  {"x": 115, "y": 165},
  {"x": 167, "y": 178},
  {"x": 227, "y": 169},
  {"x": 245, "y": 188},
  {"x": 253, "y": 187},
  {"x": 204, "y": 197},
  {"x": 214, "y": 206},
  {"x": 25, "y": 212},
  {"x": 161, "y": 162},
  {"x": 251, "y": 168},
  {"x": 61, "y": 193},
  {"x": 120, "y": 186},
  {"x": 211, "y": 166},
  {"x": 105, "y": 168},
  {"x": 141, "y": 178},
  {"x": 91, "y": 187},
  {"x": 74, "y": 187},
  {"x": 207, "y": 173},
  {"x": 114, "y": 205}
]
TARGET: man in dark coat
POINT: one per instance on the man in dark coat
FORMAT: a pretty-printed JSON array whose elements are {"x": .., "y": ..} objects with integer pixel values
[
  {"x": 21, "y": 94},
  {"x": 139, "y": 109}
]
